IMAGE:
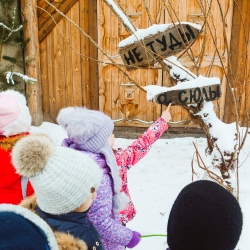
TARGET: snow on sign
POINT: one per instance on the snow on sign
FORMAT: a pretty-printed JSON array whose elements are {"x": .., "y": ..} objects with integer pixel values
[
  {"x": 189, "y": 96},
  {"x": 154, "y": 47}
]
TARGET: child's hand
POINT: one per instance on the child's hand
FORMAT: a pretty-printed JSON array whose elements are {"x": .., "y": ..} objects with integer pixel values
[
  {"x": 111, "y": 140},
  {"x": 136, "y": 238},
  {"x": 166, "y": 115}
]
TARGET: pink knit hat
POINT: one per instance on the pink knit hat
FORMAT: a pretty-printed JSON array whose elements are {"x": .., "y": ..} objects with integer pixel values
[{"x": 14, "y": 114}]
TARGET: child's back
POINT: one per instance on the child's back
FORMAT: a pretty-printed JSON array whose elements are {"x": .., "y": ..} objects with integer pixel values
[
  {"x": 204, "y": 216},
  {"x": 22, "y": 229},
  {"x": 90, "y": 132},
  {"x": 15, "y": 122},
  {"x": 64, "y": 181}
]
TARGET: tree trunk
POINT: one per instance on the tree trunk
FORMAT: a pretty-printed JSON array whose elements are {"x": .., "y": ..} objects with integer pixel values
[
  {"x": 31, "y": 53},
  {"x": 1, "y": 48}
]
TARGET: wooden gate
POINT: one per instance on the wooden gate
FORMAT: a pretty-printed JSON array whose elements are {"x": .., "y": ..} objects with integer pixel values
[
  {"x": 135, "y": 110},
  {"x": 72, "y": 72}
]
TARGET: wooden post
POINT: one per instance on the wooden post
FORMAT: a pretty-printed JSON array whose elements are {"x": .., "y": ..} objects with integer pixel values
[
  {"x": 238, "y": 60},
  {"x": 90, "y": 77},
  {"x": 93, "y": 51},
  {"x": 31, "y": 53}
]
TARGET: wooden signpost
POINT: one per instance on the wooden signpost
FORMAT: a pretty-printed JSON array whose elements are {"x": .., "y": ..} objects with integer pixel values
[
  {"x": 156, "y": 47},
  {"x": 189, "y": 96}
]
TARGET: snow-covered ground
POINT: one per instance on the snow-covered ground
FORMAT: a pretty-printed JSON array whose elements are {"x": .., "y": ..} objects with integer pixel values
[{"x": 158, "y": 178}]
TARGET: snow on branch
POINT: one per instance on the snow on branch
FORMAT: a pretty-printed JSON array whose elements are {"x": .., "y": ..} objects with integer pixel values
[
  {"x": 9, "y": 77},
  {"x": 223, "y": 134},
  {"x": 4, "y": 26},
  {"x": 178, "y": 71},
  {"x": 11, "y": 30},
  {"x": 120, "y": 15},
  {"x": 142, "y": 34},
  {"x": 200, "y": 81}
]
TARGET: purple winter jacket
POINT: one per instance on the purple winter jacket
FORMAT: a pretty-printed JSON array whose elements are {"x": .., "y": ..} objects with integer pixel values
[{"x": 114, "y": 235}]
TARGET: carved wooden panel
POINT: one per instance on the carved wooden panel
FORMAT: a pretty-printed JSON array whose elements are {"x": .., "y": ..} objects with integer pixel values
[
  {"x": 112, "y": 98},
  {"x": 201, "y": 59}
]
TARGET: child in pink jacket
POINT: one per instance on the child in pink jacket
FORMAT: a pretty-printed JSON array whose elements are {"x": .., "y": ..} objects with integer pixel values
[{"x": 90, "y": 132}]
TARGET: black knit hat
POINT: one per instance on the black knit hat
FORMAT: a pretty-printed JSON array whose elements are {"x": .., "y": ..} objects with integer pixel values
[{"x": 204, "y": 216}]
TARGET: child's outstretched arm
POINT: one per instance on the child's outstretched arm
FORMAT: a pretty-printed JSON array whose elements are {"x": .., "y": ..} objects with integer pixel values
[{"x": 139, "y": 148}]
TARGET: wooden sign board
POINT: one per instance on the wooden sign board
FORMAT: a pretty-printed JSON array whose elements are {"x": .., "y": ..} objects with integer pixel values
[
  {"x": 158, "y": 46},
  {"x": 189, "y": 96}
]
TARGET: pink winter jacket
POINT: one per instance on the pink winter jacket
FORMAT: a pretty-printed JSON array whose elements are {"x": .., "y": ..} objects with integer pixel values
[{"x": 131, "y": 155}]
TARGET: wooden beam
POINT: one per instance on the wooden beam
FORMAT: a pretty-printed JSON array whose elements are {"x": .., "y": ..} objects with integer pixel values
[
  {"x": 90, "y": 78},
  {"x": 47, "y": 10},
  {"x": 31, "y": 52},
  {"x": 42, "y": 6},
  {"x": 238, "y": 61},
  {"x": 84, "y": 47},
  {"x": 93, "y": 52},
  {"x": 46, "y": 22}
]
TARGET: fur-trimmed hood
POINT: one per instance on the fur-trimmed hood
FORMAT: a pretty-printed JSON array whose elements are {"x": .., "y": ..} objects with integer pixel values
[
  {"x": 15, "y": 114},
  {"x": 21, "y": 227},
  {"x": 64, "y": 241}
]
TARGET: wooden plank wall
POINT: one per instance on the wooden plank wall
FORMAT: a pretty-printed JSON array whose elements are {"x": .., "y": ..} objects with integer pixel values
[
  {"x": 112, "y": 94},
  {"x": 68, "y": 77},
  {"x": 239, "y": 63},
  {"x": 111, "y": 33}
]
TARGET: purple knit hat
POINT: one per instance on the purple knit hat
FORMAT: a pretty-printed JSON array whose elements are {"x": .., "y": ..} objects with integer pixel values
[{"x": 89, "y": 130}]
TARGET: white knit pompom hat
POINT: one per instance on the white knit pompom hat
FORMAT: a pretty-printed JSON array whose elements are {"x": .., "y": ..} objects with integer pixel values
[
  {"x": 61, "y": 177},
  {"x": 15, "y": 117}
]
